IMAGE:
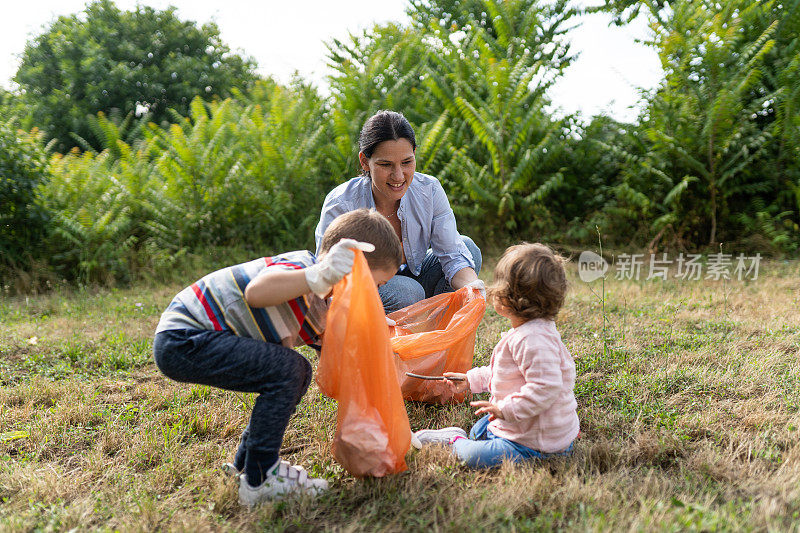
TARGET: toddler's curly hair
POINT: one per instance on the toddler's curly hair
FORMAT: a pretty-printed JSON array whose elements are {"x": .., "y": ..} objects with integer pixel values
[{"x": 531, "y": 281}]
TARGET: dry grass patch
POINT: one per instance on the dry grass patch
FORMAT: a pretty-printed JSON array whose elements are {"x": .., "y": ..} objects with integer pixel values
[{"x": 689, "y": 406}]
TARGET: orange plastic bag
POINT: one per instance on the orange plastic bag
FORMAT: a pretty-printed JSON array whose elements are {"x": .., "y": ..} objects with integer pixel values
[
  {"x": 434, "y": 336},
  {"x": 357, "y": 368}
]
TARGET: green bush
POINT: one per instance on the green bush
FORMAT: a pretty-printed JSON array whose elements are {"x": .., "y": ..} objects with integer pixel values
[
  {"x": 23, "y": 221},
  {"x": 714, "y": 156},
  {"x": 232, "y": 173}
]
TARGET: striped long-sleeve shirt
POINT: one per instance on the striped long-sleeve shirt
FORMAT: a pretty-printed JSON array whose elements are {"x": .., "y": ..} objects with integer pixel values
[
  {"x": 216, "y": 302},
  {"x": 531, "y": 378}
]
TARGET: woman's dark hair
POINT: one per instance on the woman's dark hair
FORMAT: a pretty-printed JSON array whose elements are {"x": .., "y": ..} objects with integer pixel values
[{"x": 385, "y": 125}]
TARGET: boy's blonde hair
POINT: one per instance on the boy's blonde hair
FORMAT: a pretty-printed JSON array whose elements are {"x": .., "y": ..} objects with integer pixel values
[
  {"x": 366, "y": 225},
  {"x": 531, "y": 281}
]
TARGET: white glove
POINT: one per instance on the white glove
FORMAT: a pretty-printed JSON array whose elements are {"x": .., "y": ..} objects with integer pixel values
[
  {"x": 479, "y": 286},
  {"x": 334, "y": 265}
]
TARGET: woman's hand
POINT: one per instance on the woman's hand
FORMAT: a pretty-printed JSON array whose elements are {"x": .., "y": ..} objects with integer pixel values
[
  {"x": 459, "y": 384},
  {"x": 479, "y": 286},
  {"x": 487, "y": 407}
]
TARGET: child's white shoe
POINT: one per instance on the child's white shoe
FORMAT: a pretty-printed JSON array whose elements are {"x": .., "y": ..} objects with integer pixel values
[
  {"x": 229, "y": 469},
  {"x": 282, "y": 478},
  {"x": 436, "y": 436}
]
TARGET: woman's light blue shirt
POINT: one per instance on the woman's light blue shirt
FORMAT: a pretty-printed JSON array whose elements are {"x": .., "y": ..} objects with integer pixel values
[{"x": 426, "y": 219}]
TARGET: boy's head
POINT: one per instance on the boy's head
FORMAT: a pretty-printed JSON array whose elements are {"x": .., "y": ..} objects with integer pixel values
[
  {"x": 530, "y": 281},
  {"x": 367, "y": 225}
]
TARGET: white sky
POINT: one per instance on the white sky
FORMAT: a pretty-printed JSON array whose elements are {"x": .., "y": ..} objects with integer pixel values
[{"x": 284, "y": 37}]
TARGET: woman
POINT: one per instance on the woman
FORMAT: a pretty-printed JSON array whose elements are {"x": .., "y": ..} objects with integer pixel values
[{"x": 436, "y": 258}]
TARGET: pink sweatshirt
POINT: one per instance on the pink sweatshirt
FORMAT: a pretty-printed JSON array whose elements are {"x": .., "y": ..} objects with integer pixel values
[{"x": 531, "y": 377}]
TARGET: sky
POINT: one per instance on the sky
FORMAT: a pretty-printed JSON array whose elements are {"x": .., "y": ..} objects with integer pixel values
[{"x": 287, "y": 37}]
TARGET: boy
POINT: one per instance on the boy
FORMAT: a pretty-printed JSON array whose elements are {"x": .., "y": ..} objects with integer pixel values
[{"x": 234, "y": 329}]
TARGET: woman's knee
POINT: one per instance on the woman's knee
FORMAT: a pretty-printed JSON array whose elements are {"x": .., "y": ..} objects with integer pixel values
[
  {"x": 400, "y": 292},
  {"x": 477, "y": 256}
]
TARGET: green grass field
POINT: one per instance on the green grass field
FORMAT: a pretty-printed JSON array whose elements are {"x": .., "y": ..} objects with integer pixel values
[{"x": 688, "y": 407}]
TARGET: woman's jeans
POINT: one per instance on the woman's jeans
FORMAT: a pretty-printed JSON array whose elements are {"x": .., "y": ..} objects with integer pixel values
[
  {"x": 221, "y": 359},
  {"x": 405, "y": 288},
  {"x": 484, "y": 449}
]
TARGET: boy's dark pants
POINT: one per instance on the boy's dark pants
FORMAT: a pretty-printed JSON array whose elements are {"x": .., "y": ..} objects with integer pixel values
[{"x": 221, "y": 359}]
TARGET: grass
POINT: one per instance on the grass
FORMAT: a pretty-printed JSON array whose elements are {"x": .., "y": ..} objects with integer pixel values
[{"x": 689, "y": 421}]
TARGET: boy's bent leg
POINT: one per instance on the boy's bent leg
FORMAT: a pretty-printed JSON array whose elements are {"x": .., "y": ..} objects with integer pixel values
[{"x": 220, "y": 359}]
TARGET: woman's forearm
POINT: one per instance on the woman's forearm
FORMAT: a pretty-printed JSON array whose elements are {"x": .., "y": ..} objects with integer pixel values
[{"x": 462, "y": 277}]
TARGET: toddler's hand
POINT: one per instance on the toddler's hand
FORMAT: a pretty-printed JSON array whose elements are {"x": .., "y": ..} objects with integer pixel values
[
  {"x": 457, "y": 387},
  {"x": 487, "y": 407}
]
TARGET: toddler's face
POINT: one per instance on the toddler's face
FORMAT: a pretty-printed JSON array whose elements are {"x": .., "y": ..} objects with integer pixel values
[{"x": 501, "y": 309}]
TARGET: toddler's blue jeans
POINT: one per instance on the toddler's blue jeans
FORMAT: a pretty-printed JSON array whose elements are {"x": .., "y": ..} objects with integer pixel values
[
  {"x": 484, "y": 449},
  {"x": 280, "y": 376},
  {"x": 405, "y": 288}
]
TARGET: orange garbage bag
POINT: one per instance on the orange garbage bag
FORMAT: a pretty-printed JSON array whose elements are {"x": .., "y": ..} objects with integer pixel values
[
  {"x": 434, "y": 336},
  {"x": 357, "y": 368}
]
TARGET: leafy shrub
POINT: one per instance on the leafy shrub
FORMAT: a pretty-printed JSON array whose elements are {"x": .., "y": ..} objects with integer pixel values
[
  {"x": 244, "y": 174},
  {"x": 23, "y": 221}
]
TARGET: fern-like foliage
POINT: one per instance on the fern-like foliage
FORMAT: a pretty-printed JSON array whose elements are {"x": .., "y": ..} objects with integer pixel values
[
  {"x": 704, "y": 125},
  {"x": 243, "y": 173},
  {"x": 491, "y": 82}
]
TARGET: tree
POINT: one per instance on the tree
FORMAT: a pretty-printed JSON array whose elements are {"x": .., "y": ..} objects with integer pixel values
[
  {"x": 625, "y": 11},
  {"x": 782, "y": 74},
  {"x": 502, "y": 146},
  {"x": 105, "y": 59},
  {"x": 706, "y": 114},
  {"x": 377, "y": 69},
  {"x": 450, "y": 14}
]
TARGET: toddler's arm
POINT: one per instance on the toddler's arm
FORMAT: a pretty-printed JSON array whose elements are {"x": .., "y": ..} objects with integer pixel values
[
  {"x": 479, "y": 378},
  {"x": 541, "y": 366}
]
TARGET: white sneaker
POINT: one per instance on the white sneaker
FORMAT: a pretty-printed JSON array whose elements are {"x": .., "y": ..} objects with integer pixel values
[
  {"x": 282, "y": 478},
  {"x": 436, "y": 436},
  {"x": 229, "y": 469}
]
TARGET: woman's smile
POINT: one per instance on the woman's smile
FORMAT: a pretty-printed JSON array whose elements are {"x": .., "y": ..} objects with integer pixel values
[{"x": 391, "y": 169}]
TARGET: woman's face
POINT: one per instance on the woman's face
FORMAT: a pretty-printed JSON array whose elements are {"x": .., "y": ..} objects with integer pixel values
[{"x": 391, "y": 168}]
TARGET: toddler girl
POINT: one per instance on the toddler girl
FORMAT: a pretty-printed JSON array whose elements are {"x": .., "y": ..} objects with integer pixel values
[{"x": 531, "y": 376}]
